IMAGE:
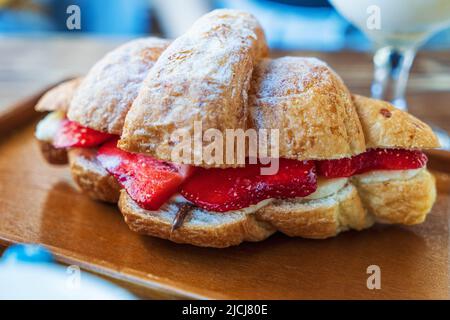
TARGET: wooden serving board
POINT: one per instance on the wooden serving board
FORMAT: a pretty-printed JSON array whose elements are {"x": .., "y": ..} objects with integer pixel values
[{"x": 40, "y": 204}]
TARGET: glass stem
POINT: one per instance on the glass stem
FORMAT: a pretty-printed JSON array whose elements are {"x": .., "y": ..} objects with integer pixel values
[{"x": 391, "y": 71}]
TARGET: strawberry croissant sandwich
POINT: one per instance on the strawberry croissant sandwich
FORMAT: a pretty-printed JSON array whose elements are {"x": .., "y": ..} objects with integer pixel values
[{"x": 344, "y": 162}]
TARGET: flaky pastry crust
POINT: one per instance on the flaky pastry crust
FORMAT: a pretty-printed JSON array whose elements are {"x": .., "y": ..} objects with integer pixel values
[
  {"x": 106, "y": 93},
  {"x": 204, "y": 77}
]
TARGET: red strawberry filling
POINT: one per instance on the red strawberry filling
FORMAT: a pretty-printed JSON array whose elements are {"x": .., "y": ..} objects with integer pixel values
[
  {"x": 72, "y": 134},
  {"x": 151, "y": 182},
  {"x": 148, "y": 181},
  {"x": 374, "y": 159},
  {"x": 232, "y": 189}
]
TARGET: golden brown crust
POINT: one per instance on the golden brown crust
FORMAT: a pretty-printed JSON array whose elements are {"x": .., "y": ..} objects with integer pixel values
[
  {"x": 108, "y": 90},
  {"x": 204, "y": 76},
  {"x": 385, "y": 126},
  {"x": 318, "y": 219},
  {"x": 51, "y": 154},
  {"x": 310, "y": 106},
  {"x": 91, "y": 177},
  {"x": 59, "y": 97},
  {"x": 200, "y": 228},
  {"x": 399, "y": 201}
]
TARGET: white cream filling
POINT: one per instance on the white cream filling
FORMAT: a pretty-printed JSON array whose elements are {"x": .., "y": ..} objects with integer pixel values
[
  {"x": 326, "y": 187},
  {"x": 178, "y": 198},
  {"x": 255, "y": 207},
  {"x": 385, "y": 175},
  {"x": 46, "y": 128}
]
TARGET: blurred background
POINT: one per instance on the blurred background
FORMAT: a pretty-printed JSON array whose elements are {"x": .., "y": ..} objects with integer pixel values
[
  {"x": 37, "y": 47},
  {"x": 289, "y": 24}
]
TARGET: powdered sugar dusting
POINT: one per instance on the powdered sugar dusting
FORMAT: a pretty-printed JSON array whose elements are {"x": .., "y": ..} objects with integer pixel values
[
  {"x": 108, "y": 90},
  {"x": 203, "y": 75},
  {"x": 288, "y": 76},
  {"x": 310, "y": 105}
]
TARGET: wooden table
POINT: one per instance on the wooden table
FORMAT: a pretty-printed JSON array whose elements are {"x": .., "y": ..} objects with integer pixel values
[
  {"x": 39, "y": 203},
  {"x": 29, "y": 64}
]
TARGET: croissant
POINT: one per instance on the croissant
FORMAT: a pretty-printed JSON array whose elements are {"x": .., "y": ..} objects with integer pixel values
[{"x": 345, "y": 161}]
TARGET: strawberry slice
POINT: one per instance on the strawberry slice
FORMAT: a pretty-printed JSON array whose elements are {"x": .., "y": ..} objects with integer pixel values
[
  {"x": 344, "y": 167},
  {"x": 236, "y": 188},
  {"x": 72, "y": 134},
  {"x": 373, "y": 159},
  {"x": 393, "y": 159},
  {"x": 148, "y": 181}
]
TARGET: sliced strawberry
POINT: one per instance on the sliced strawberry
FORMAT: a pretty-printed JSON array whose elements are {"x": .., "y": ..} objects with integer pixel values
[
  {"x": 393, "y": 159},
  {"x": 72, "y": 134},
  {"x": 336, "y": 168},
  {"x": 232, "y": 189},
  {"x": 374, "y": 159},
  {"x": 148, "y": 181}
]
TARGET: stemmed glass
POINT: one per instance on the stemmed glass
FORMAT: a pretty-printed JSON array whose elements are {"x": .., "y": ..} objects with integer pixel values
[{"x": 398, "y": 28}]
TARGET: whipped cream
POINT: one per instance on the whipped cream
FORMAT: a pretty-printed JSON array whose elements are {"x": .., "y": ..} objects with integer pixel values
[
  {"x": 385, "y": 175},
  {"x": 46, "y": 128},
  {"x": 326, "y": 187},
  {"x": 255, "y": 207}
]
